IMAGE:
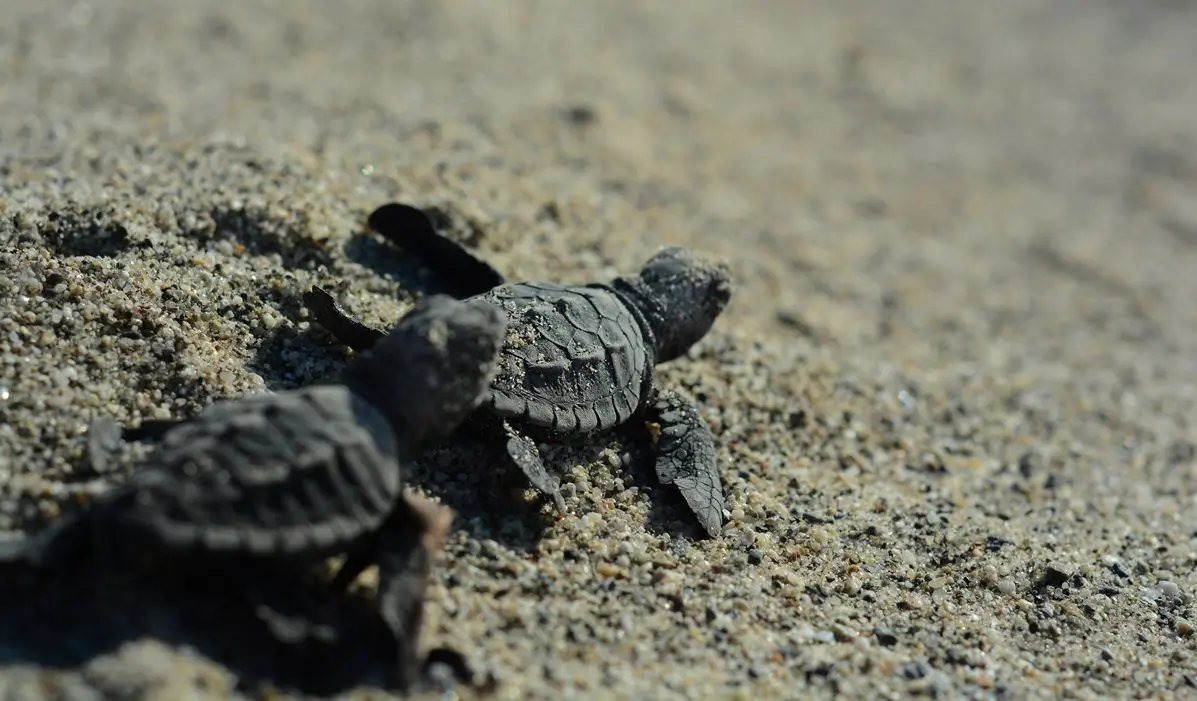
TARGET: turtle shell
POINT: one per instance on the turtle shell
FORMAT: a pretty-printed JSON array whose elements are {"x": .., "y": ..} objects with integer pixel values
[
  {"x": 575, "y": 360},
  {"x": 301, "y": 472}
]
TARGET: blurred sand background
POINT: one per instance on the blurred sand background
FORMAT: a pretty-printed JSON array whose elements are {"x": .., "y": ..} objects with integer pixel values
[{"x": 955, "y": 395}]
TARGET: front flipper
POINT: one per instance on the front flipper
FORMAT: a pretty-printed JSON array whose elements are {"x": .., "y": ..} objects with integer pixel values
[
  {"x": 524, "y": 454},
  {"x": 410, "y": 229},
  {"x": 686, "y": 458},
  {"x": 408, "y": 544},
  {"x": 353, "y": 333}
]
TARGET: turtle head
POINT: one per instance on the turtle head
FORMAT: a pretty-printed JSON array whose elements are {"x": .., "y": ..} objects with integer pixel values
[
  {"x": 681, "y": 295},
  {"x": 433, "y": 368}
]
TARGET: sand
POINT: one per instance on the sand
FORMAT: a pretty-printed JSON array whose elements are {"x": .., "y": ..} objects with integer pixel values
[{"x": 955, "y": 395}]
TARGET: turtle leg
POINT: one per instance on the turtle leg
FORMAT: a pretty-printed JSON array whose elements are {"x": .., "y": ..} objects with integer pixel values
[
  {"x": 357, "y": 559},
  {"x": 104, "y": 436},
  {"x": 353, "y": 333},
  {"x": 280, "y": 596},
  {"x": 411, "y": 229},
  {"x": 524, "y": 454},
  {"x": 445, "y": 667},
  {"x": 72, "y": 541},
  {"x": 686, "y": 458},
  {"x": 408, "y": 546},
  {"x": 16, "y": 553},
  {"x": 152, "y": 429}
]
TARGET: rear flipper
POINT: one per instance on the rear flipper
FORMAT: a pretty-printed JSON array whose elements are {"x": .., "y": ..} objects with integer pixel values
[
  {"x": 686, "y": 458},
  {"x": 410, "y": 228},
  {"x": 150, "y": 430},
  {"x": 67, "y": 542},
  {"x": 14, "y": 552},
  {"x": 14, "y": 558},
  {"x": 280, "y": 598},
  {"x": 353, "y": 333},
  {"x": 104, "y": 437},
  {"x": 524, "y": 454},
  {"x": 445, "y": 668},
  {"x": 103, "y": 440}
]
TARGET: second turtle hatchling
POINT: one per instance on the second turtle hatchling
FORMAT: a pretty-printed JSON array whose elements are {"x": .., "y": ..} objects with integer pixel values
[
  {"x": 578, "y": 359},
  {"x": 291, "y": 478}
]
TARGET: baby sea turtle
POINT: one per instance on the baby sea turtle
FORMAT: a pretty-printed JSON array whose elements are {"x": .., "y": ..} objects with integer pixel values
[
  {"x": 578, "y": 359},
  {"x": 295, "y": 477}
]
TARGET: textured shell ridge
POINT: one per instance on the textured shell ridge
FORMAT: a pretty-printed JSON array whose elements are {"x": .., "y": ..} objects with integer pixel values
[
  {"x": 283, "y": 475},
  {"x": 574, "y": 361}
]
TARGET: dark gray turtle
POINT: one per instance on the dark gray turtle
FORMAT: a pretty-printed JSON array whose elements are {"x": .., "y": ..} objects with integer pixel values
[
  {"x": 294, "y": 477},
  {"x": 578, "y": 359}
]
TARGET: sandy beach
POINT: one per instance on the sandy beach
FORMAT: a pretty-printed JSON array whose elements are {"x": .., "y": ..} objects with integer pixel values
[{"x": 954, "y": 395}]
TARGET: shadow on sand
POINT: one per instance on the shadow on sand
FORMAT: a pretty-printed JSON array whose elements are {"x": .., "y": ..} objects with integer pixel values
[{"x": 65, "y": 622}]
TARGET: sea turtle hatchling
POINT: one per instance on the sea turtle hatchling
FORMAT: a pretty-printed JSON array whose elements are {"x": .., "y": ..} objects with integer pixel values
[
  {"x": 294, "y": 477},
  {"x": 578, "y": 359}
]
